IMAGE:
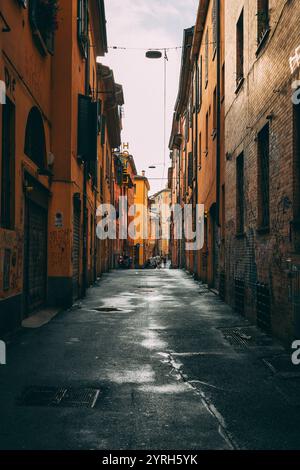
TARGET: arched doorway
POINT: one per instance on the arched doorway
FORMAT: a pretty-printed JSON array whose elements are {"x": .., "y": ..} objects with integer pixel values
[{"x": 36, "y": 217}]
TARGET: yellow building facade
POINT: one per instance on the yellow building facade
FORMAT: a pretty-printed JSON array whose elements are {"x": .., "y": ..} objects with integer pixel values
[{"x": 141, "y": 224}]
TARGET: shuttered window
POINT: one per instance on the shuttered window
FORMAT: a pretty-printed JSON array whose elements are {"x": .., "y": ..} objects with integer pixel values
[
  {"x": 83, "y": 126},
  {"x": 8, "y": 165},
  {"x": 214, "y": 27},
  {"x": 197, "y": 89},
  {"x": 103, "y": 128},
  {"x": 88, "y": 124},
  {"x": 190, "y": 169},
  {"x": 206, "y": 58},
  {"x": 200, "y": 82}
]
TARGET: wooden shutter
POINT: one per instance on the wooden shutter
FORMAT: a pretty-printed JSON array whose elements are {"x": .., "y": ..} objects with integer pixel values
[{"x": 83, "y": 126}]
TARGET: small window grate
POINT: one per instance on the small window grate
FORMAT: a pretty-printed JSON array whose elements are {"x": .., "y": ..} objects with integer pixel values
[
  {"x": 263, "y": 307},
  {"x": 222, "y": 286},
  {"x": 239, "y": 290}
]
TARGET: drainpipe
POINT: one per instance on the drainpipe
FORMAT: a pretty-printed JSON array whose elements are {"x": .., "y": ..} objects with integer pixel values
[
  {"x": 218, "y": 113},
  {"x": 85, "y": 179},
  {"x": 197, "y": 161}
]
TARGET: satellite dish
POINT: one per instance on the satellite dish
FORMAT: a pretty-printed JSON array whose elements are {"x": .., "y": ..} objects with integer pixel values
[{"x": 153, "y": 55}]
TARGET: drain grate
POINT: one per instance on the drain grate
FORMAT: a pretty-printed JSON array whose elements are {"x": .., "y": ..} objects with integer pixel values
[
  {"x": 247, "y": 337},
  {"x": 282, "y": 366},
  {"x": 236, "y": 337},
  {"x": 59, "y": 396}
]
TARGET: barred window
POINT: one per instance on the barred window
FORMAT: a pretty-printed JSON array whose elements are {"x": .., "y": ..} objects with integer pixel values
[
  {"x": 240, "y": 49},
  {"x": 262, "y": 19},
  {"x": 263, "y": 179},
  {"x": 240, "y": 199}
]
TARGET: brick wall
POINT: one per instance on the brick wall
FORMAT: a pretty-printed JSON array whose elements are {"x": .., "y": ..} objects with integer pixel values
[{"x": 264, "y": 97}]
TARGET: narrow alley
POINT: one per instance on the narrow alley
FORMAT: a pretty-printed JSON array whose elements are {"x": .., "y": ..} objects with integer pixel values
[{"x": 150, "y": 359}]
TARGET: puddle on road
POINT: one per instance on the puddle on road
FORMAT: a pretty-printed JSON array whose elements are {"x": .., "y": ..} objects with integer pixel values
[
  {"x": 165, "y": 389},
  {"x": 135, "y": 376},
  {"x": 73, "y": 341},
  {"x": 152, "y": 340}
]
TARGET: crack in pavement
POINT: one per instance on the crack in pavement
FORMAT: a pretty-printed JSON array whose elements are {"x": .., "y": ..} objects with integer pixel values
[{"x": 223, "y": 431}]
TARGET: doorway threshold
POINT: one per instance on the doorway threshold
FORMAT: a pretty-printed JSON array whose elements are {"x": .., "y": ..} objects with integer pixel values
[{"x": 40, "y": 318}]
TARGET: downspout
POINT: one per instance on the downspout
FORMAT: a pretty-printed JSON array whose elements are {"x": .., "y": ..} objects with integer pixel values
[
  {"x": 197, "y": 160},
  {"x": 218, "y": 153},
  {"x": 85, "y": 179}
]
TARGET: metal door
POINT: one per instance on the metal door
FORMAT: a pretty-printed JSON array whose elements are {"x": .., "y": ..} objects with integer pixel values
[
  {"x": 35, "y": 282},
  {"x": 76, "y": 253}
]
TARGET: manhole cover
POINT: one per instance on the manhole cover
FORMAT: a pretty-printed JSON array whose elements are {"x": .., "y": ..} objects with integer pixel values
[
  {"x": 108, "y": 309},
  {"x": 246, "y": 337},
  {"x": 282, "y": 366},
  {"x": 59, "y": 396}
]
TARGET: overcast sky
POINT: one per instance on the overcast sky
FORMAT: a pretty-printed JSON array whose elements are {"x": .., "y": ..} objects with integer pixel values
[{"x": 147, "y": 24}]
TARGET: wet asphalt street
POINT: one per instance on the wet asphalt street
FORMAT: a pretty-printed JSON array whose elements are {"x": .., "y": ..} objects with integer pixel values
[{"x": 155, "y": 344}]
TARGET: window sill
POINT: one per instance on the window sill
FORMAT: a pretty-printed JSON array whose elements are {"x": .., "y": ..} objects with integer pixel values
[
  {"x": 262, "y": 41},
  {"x": 239, "y": 85}
]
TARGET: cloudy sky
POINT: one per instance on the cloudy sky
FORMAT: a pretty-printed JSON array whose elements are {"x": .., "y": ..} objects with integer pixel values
[{"x": 147, "y": 24}]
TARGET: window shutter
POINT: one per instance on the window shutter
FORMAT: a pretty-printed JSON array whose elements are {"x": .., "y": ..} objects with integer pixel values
[
  {"x": 83, "y": 126},
  {"x": 200, "y": 82},
  {"x": 197, "y": 88},
  {"x": 190, "y": 169},
  {"x": 93, "y": 131},
  {"x": 214, "y": 22},
  {"x": 206, "y": 57},
  {"x": 103, "y": 127}
]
